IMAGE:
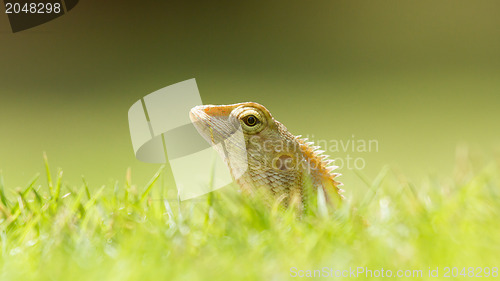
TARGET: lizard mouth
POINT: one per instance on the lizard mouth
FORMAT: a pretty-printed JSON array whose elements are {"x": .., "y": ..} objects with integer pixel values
[
  {"x": 214, "y": 128},
  {"x": 224, "y": 133},
  {"x": 201, "y": 122}
]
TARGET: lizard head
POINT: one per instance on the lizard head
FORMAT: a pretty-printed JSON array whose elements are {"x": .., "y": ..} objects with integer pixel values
[
  {"x": 260, "y": 146},
  {"x": 217, "y": 122},
  {"x": 266, "y": 142}
]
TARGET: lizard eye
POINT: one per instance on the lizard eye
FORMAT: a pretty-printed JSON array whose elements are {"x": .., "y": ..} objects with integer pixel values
[{"x": 250, "y": 120}]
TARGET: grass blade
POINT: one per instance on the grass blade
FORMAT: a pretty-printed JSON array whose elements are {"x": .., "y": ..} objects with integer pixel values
[
  {"x": 30, "y": 185},
  {"x": 151, "y": 184},
  {"x": 3, "y": 198},
  {"x": 47, "y": 172},
  {"x": 86, "y": 186}
]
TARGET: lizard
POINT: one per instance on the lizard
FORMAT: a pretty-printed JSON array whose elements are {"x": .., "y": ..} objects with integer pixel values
[{"x": 275, "y": 160}]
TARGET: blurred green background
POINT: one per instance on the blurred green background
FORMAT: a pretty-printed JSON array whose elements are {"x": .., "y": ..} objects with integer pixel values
[{"x": 419, "y": 77}]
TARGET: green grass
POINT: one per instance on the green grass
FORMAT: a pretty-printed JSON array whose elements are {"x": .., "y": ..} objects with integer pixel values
[{"x": 59, "y": 231}]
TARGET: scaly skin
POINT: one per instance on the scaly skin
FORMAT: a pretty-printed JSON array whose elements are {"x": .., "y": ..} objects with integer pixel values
[{"x": 273, "y": 158}]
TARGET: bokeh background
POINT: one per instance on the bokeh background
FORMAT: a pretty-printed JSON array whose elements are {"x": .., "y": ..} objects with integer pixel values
[{"x": 421, "y": 77}]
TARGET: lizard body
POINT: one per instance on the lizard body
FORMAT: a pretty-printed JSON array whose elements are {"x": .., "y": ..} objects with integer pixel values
[{"x": 274, "y": 159}]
